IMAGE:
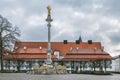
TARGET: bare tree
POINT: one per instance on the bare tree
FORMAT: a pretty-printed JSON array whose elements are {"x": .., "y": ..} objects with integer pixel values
[{"x": 8, "y": 35}]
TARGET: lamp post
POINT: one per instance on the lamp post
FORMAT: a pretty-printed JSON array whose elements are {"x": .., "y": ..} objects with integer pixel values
[{"x": 49, "y": 51}]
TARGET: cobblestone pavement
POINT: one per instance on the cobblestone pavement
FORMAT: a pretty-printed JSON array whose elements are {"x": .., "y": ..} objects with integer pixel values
[{"x": 23, "y": 76}]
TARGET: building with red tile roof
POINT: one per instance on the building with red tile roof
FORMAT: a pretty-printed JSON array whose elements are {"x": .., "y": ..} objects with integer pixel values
[{"x": 67, "y": 53}]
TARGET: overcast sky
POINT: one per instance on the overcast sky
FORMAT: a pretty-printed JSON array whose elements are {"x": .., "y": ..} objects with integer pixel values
[{"x": 97, "y": 20}]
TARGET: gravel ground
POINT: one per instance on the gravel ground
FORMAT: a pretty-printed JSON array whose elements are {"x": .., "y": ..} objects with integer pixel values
[{"x": 24, "y": 76}]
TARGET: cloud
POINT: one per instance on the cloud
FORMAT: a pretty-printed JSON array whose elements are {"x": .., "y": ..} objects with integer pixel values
[
  {"x": 97, "y": 20},
  {"x": 115, "y": 37}
]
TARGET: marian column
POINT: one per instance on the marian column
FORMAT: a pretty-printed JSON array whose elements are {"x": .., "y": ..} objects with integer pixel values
[{"x": 49, "y": 51}]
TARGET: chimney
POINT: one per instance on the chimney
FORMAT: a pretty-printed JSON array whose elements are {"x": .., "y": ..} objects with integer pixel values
[
  {"x": 89, "y": 41},
  {"x": 77, "y": 42},
  {"x": 65, "y": 41}
]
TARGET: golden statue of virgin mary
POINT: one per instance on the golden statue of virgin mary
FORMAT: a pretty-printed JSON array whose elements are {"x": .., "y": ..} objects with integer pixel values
[{"x": 49, "y": 10}]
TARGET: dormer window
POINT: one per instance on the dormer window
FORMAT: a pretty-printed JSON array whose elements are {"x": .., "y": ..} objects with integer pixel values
[
  {"x": 77, "y": 48},
  {"x": 40, "y": 47},
  {"x": 71, "y": 48},
  {"x": 95, "y": 49},
  {"x": 25, "y": 47},
  {"x": 16, "y": 47},
  {"x": 57, "y": 53}
]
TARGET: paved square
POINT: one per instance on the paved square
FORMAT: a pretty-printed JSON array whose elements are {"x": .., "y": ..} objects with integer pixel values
[{"x": 24, "y": 76}]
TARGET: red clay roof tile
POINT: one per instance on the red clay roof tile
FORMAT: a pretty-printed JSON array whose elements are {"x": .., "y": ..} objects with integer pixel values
[{"x": 80, "y": 51}]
